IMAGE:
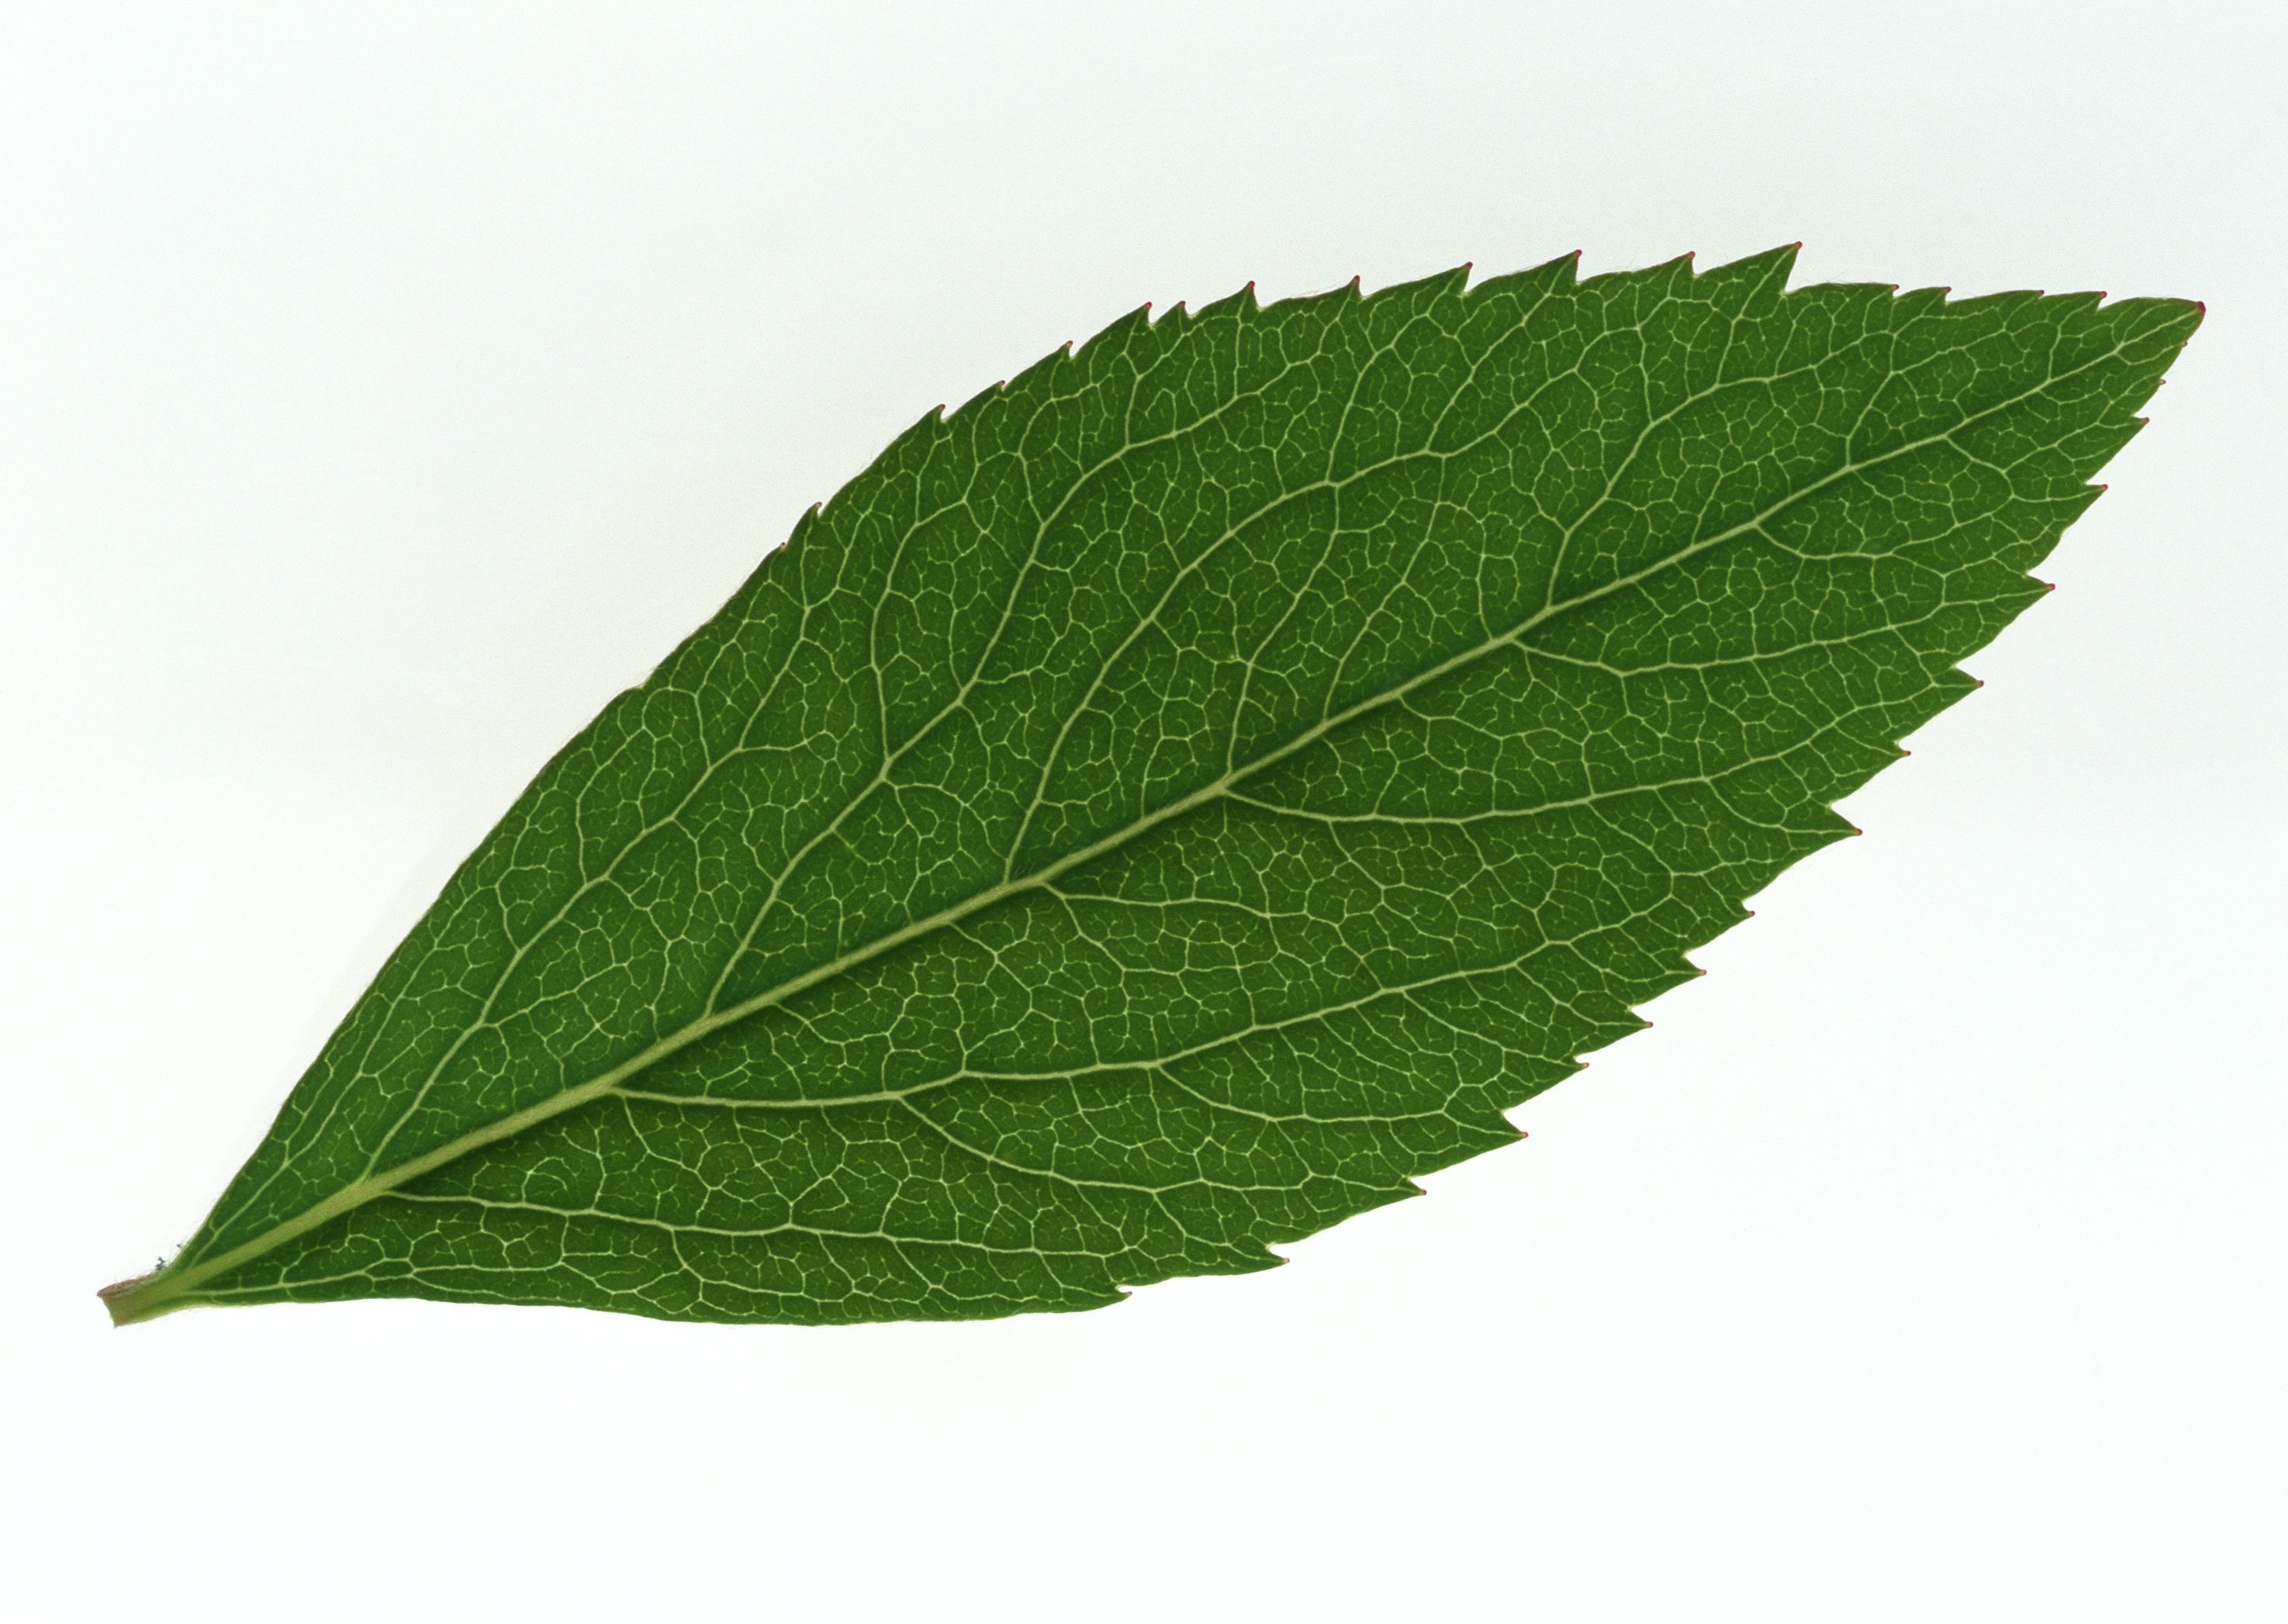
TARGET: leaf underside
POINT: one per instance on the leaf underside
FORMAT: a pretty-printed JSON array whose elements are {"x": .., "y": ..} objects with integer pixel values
[{"x": 1168, "y": 805}]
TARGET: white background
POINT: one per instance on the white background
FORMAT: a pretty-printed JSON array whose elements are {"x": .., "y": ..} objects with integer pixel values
[{"x": 383, "y": 387}]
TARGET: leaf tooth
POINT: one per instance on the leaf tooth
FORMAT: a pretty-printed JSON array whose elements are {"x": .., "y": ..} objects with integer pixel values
[
  {"x": 1231, "y": 307},
  {"x": 1118, "y": 329},
  {"x": 1562, "y": 273}
]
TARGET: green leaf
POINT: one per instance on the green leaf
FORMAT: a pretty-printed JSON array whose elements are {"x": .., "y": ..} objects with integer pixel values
[{"x": 1169, "y": 805}]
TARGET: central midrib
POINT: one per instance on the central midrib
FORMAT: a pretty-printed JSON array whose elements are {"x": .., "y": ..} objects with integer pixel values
[{"x": 376, "y": 1184}]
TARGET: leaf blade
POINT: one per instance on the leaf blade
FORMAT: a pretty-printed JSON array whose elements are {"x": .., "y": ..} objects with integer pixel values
[{"x": 1165, "y": 805}]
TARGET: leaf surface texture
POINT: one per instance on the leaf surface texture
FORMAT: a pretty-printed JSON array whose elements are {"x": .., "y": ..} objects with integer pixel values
[{"x": 1168, "y": 805}]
